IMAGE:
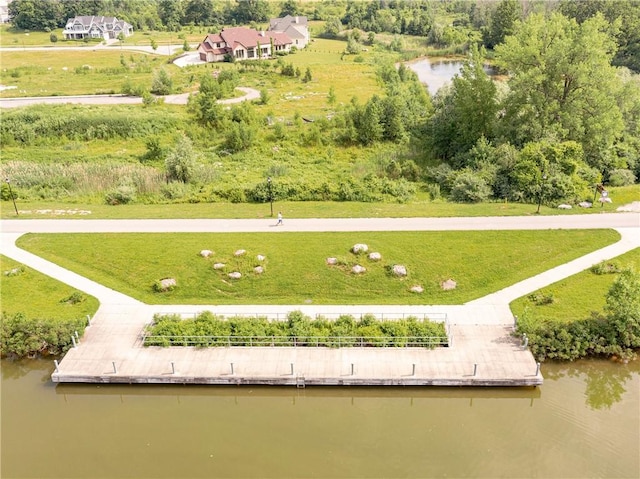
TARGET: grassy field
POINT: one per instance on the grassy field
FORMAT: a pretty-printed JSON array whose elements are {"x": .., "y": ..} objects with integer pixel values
[
  {"x": 58, "y": 73},
  {"x": 38, "y": 296},
  {"x": 422, "y": 207},
  {"x": 578, "y": 296},
  {"x": 295, "y": 267},
  {"x": 14, "y": 37}
]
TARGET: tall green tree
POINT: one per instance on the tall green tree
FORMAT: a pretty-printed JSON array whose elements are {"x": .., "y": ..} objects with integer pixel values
[
  {"x": 247, "y": 11},
  {"x": 180, "y": 163},
  {"x": 623, "y": 308},
  {"x": 562, "y": 84},
  {"x": 502, "y": 22},
  {"x": 41, "y": 15},
  {"x": 199, "y": 12},
  {"x": 624, "y": 13},
  {"x": 289, "y": 7},
  {"x": 468, "y": 112},
  {"x": 171, "y": 13}
]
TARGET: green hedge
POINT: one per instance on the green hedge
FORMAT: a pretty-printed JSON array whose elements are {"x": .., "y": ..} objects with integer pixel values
[{"x": 208, "y": 330}]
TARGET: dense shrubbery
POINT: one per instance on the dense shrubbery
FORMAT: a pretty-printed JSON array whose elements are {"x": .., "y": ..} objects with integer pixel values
[
  {"x": 209, "y": 330},
  {"x": 617, "y": 333},
  {"x": 22, "y": 336},
  {"x": 33, "y": 125}
]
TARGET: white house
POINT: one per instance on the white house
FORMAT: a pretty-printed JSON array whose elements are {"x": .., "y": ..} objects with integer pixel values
[
  {"x": 295, "y": 27},
  {"x": 107, "y": 28}
]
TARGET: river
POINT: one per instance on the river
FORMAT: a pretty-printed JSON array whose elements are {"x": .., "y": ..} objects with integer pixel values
[{"x": 583, "y": 422}]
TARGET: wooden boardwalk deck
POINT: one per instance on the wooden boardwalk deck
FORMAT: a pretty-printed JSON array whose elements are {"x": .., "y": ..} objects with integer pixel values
[{"x": 111, "y": 351}]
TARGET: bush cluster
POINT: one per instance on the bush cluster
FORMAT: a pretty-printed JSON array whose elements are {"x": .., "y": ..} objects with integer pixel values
[
  {"x": 549, "y": 339},
  {"x": 616, "y": 333},
  {"x": 32, "y": 337},
  {"x": 208, "y": 330},
  {"x": 605, "y": 267},
  {"x": 541, "y": 298}
]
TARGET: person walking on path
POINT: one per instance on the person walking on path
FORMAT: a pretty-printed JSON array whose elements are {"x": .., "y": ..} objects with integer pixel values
[{"x": 279, "y": 218}]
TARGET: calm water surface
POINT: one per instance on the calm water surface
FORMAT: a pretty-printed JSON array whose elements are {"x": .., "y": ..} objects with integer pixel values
[
  {"x": 583, "y": 422},
  {"x": 435, "y": 73}
]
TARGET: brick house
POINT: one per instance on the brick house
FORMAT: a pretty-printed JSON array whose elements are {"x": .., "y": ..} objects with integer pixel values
[{"x": 242, "y": 43}]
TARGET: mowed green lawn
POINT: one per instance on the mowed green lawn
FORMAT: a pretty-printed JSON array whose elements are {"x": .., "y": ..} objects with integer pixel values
[
  {"x": 578, "y": 296},
  {"x": 295, "y": 266},
  {"x": 38, "y": 296}
]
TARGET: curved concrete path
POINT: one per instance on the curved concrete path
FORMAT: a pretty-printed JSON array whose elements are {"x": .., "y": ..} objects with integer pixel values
[
  {"x": 479, "y": 330},
  {"x": 181, "y": 99}
]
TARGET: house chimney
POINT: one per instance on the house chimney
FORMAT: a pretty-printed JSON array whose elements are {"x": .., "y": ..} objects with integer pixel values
[
  {"x": 262, "y": 33},
  {"x": 297, "y": 19}
]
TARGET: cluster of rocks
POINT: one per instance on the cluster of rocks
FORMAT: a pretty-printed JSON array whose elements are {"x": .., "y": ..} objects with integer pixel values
[
  {"x": 397, "y": 270},
  {"x": 167, "y": 284}
]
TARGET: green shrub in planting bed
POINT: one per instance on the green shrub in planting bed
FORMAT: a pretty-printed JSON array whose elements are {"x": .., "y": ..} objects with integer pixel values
[{"x": 208, "y": 330}]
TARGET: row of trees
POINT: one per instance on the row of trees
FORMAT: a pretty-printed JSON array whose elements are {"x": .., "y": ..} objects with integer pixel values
[
  {"x": 565, "y": 119},
  {"x": 151, "y": 14},
  {"x": 491, "y": 22}
]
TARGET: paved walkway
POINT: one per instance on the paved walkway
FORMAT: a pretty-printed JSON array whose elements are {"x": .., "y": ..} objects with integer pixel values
[
  {"x": 482, "y": 350},
  {"x": 181, "y": 99}
]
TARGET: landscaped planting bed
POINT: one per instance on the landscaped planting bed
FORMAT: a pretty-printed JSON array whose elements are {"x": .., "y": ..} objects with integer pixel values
[{"x": 209, "y": 330}]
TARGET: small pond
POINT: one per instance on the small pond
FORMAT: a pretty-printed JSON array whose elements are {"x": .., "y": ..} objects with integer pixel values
[{"x": 436, "y": 72}]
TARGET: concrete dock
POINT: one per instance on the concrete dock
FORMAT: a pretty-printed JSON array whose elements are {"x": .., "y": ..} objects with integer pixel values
[
  {"x": 482, "y": 350},
  {"x": 111, "y": 351}
]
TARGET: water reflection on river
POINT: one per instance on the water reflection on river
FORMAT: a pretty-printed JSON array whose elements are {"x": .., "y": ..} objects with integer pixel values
[{"x": 583, "y": 422}]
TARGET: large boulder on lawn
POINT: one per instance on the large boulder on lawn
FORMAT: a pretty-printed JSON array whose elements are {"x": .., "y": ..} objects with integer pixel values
[
  {"x": 205, "y": 253},
  {"x": 448, "y": 284},
  {"x": 240, "y": 252},
  {"x": 166, "y": 284},
  {"x": 359, "y": 248},
  {"x": 258, "y": 270},
  {"x": 357, "y": 269},
  {"x": 417, "y": 289},
  {"x": 218, "y": 265},
  {"x": 332, "y": 261},
  {"x": 399, "y": 270},
  {"x": 235, "y": 275},
  {"x": 375, "y": 256}
]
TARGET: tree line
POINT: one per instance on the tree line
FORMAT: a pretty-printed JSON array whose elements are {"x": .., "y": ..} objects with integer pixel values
[
  {"x": 169, "y": 15},
  {"x": 485, "y": 22}
]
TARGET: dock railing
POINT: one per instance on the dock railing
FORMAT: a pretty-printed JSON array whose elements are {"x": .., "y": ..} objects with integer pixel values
[
  {"x": 434, "y": 317},
  {"x": 307, "y": 341}
]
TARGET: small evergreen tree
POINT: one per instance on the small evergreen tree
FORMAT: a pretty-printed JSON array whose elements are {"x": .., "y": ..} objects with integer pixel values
[
  {"x": 162, "y": 83},
  {"x": 307, "y": 76},
  {"x": 181, "y": 161}
]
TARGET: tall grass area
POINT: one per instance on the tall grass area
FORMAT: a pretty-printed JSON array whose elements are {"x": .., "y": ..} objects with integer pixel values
[{"x": 296, "y": 270}]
